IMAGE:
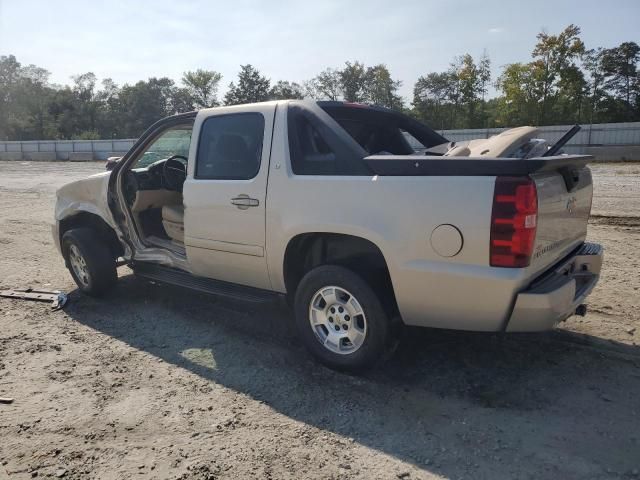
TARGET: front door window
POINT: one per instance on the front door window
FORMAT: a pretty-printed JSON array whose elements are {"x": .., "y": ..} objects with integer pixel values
[{"x": 230, "y": 147}]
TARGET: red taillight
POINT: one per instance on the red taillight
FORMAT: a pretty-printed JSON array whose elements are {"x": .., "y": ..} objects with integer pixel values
[{"x": 513, "y": 221}]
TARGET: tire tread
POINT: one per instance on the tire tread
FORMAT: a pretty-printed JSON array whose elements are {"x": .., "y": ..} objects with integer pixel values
[
  {"x": 380, "y": 334},
  {"x": 99, "y": 258}
]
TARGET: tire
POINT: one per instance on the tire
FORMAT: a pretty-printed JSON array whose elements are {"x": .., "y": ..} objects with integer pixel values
[
  {"x": 90, "y": 261},
  {"x": 341, "y": 338}
]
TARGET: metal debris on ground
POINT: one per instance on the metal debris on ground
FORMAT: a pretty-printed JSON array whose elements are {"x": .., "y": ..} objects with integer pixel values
[{"x": 57, "y": 298}]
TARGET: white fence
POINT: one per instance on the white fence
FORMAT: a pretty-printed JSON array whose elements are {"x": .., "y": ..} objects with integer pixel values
[
  {"x": 81, "y": 150},
  {"x": 599, "y": 139},
  {"x": 591, "y": 135}
]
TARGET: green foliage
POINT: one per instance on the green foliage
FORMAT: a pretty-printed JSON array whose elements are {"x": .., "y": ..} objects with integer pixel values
[
  {"x": 620, "y": 68},
  {"x": 353, "y": 82},
  {"x": 138, "y": 106},
  {"x": 555, "y": 72},
  {"x": 24, "y": 100},
  {"x": 455, "y": 97},
  {"x": 563, "y": 83},
  {"x": 381, "y": 89},
  {"x": 550, "y": 89},
  {"x": 519, "y": 102},
  {"x": 434, "y": 98},
  {"x": 202, "y": 87},
  {"x": 327, "y": 85},
  {"x": 88, "y": 135},
  {"x": 31, "y": 108},
  {"x": 356, "y": 82},
  {"x": 284, "y": 90},
  {"x": 252, "y": 87}
]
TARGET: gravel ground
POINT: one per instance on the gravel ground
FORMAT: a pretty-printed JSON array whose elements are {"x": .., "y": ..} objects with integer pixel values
[{"x": 159, "y": 382}]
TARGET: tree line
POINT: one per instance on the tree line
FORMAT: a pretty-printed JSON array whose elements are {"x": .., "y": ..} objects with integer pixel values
[{"x": 564, "y": 82}]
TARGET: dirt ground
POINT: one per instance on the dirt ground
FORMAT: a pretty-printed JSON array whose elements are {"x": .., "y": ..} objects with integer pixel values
[{"x": 159, "y": 382}]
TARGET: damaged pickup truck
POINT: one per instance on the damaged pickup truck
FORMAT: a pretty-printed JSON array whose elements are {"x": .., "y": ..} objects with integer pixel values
[{"x": 364, "y": 218}]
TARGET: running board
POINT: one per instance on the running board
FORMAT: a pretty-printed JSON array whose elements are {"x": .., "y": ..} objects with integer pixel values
[{"x": 201, "y": 284}]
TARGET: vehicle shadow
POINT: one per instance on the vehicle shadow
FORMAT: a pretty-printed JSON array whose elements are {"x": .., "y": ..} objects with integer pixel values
[{"x": 450, "y": 403}]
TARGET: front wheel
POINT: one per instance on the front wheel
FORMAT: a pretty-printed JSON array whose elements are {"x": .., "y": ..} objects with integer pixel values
[
  {"x": 341, "y": 320},
  {"x": 90, "y": 261}
]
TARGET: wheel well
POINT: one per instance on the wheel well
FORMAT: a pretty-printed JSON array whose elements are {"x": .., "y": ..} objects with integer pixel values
[
  {"x": 93, "y": 221},
  {"x": 309, "y": 250}
]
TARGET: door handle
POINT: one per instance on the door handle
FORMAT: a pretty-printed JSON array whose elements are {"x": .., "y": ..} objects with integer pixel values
[{"x": 244, "y": 201}]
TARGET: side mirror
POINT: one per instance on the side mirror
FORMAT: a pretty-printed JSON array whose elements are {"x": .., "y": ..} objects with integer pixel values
[{"x": 111, "y": 163}]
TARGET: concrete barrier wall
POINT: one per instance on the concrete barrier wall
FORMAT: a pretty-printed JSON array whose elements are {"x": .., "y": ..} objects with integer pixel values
[
  {"x": 606, "y": 141},
  {"x": 609, "y": 153},
  {"x": 590, "y": 134},
  {"x": 64, "y": 150}
]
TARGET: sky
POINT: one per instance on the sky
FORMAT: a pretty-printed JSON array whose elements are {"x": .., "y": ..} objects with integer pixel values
[{"x": 288, "y": 40}]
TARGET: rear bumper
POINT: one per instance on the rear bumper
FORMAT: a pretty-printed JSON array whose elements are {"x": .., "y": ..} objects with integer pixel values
[{"x": 555, "y": 296}]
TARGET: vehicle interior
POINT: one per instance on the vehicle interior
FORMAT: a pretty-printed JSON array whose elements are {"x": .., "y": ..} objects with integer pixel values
[{"x": 152, "y": 188}]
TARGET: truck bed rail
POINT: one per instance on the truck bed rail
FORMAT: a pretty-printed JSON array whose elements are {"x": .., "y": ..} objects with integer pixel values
[{"x": 416, "y": 165}]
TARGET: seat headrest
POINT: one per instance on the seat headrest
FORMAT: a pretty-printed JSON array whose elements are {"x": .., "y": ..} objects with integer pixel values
[{"x": 232, "y": 148}]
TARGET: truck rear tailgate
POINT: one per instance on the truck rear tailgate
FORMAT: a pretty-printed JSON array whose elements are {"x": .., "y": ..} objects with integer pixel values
[{"x": 563, "y": 213}]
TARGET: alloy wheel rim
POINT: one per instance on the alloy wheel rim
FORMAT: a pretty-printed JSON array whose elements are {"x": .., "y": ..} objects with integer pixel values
[
  {"x": 338, "y": 320},
  {"x": 79, "y": 265}
]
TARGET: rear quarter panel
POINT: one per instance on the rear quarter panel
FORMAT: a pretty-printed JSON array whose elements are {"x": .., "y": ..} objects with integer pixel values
[{"x": 398, "y": 214}]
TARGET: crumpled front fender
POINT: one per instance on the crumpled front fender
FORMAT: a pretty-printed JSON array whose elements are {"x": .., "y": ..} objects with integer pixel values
[{"x": 88, "y": 195}]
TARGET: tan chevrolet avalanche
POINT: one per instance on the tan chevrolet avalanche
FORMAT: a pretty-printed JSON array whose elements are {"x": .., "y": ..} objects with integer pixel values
[{"x": 364, "y": 218}]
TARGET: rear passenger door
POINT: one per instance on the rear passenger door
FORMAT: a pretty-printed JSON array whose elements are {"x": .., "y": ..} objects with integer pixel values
[{"x": 225, "y": 192}]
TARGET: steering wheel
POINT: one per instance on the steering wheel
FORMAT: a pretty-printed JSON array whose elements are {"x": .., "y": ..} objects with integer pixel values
[{"x": 174, "y": 172}]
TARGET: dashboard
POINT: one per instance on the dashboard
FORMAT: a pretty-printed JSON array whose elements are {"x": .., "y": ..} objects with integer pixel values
[{"x": 152, "y": 177}]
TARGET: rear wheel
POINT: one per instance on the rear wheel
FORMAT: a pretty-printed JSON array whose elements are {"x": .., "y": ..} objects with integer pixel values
[
  {"x": 341, "y": 320},
  {"x": 90, "y": 260}
]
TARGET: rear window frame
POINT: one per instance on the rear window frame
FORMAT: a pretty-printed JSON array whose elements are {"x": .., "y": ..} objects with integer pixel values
[
  {"x": 424, "y": 134},
  {"x": 348, "y": 154}
]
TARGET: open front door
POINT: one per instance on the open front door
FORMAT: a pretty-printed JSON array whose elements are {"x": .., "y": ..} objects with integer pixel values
[{"x": 225, "y": 192}]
